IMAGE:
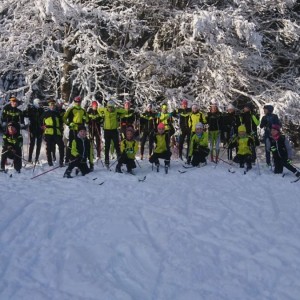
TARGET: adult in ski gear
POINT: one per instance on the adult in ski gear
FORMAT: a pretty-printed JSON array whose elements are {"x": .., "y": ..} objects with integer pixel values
[
  {"x": 281, "y": 150},
  {"x": 74, "y": 117},
  {"x": 148, "y": 127},
  {"x": 51, "y": 123},
  {"x": 12, "y": 147},
  {"x": 34, "y": 113},
  {"x": 11, "y": 113},
  {"x": 215, "y": 126},
  {"x": 196, "y": 117},
  {"x": 129, "y": 148},
  {"x": 95, "y": 122},
  {"x": 244, "y": 143},
  {"x": 198, "y": 150},
  {"x": 162, "y": 146},
  {"x": 183, "y": 114},
  {"x": 111, "y": 114},
  {"x": 81, "y": 152},
  {"x": 251, "y": 121},
  {"x": 231, "y": 123},
  {"x": 266, "y": 123}
]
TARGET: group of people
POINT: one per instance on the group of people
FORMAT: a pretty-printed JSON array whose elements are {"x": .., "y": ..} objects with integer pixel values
[{"x": 201, "y": 132}]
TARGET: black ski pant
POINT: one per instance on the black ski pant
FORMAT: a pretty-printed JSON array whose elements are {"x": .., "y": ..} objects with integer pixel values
[
  {"x": 72, "y": 136},
  {"x": 166, "y": 155},
  {"x": 129, "y": 162},
  {"x": 199, "y": 157},
  {"x": 185, "y": 134},
  {"x": 15, "y": 155},
  {"x": 35, "y": 138},
  {"x": 80, "y": 164},
  {"x": 147, "y": 134},
  {"x": 51, "y": 141},
  {"x": 279, "y": 163},
  {"x": 111, "y": 135},
  {"x": 95, "y": 137},
  {"x": 243, "y": 159}
]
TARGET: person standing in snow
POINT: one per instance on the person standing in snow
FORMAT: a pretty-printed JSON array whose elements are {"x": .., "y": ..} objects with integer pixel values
[
  {"x": 162, "y": 147},
  {"x": 244, "y": 143},
  {"x": 165, "y": 118},
  {"x": 147, "y": 123},
  {"x": 74, "y": 117},
  {"x": 281, "y": 150},
  {"x": 215, "y": 126},
  {"x": 127, "y": 119},
  {"x": 198, "y": 150},
  {"x": 12, "y": 147},
  {"x": 129, "y": 147},
  {"x": 267, "y": 121},
  {"x": 196, "y": 117},
  {"x": 81, "y": 152},
  {"x": 231, "y": 122},
  {"x": 52, "y": 124},
  {"x": 34, "y": 113},
  {"x": 183, "y": 114}
]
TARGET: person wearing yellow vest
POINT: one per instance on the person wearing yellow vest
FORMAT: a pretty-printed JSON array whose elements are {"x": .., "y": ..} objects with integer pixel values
[
  {"x": 165, "y": 118},
  {"x": 195, "y": 117},
  {"x": 162, "y": 147},
  {"x": 244, "y": 143},
  {"x": 74, "y": 117},
  {"x": 129, "y": 148},
  {"x": 111, "y": 114},
  {"x": 198, "y": 149}
]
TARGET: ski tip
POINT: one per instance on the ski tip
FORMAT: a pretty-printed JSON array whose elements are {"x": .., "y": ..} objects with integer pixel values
[{"x": 101, "y": 183}]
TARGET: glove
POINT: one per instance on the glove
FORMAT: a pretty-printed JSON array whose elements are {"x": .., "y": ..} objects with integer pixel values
[
  {"x": 71, "y": 124},
  {"x": 10, "y": 148},
  {"x": 91, "y": 168},
  {"x": 289, "y": 161},
  {"x": 189, "y": 160},
  {"x": 273, "y": 149}
]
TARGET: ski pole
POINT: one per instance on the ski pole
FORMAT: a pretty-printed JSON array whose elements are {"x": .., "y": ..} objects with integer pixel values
[{"x": 138, "y": 163}]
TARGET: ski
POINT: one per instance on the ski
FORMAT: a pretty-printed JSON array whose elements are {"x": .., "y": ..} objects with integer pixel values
[
  {"x": 230, "y": 170},
  {"x": 101, "y": 183},
  {"x": 296, "y": 180},
  {"x": 182, "y": 172},
  {"x": 143, "y": 179},
  {"x": 187, "y": 167}
]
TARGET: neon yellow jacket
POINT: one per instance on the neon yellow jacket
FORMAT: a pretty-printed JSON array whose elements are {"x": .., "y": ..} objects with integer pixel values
[
  {"x": 75, "y": 116},
  {"x": 130, "y": 148},
  {"x": 196, "y": 118},
  {"x": 161, "y": 144},
  {"x": 197, "y": 142},
  {"x": 111, "y": 117}
]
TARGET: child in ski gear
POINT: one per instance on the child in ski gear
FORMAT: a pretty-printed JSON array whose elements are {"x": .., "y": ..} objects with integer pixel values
[
  {"x": 165, "y": 118},
  {"x": 183, "y": 114},
  {"x": 111, "y": 114},
  {"x": 95, "y": 122},
  {"x": 162, "y": 146},
  {"x": 34, "y": 113},
  {"x": 281, "y": 150},
  {"x": 127, "y": 119},
  {"x": 215, "y": 126},
  {"x": 11, "y": 113},
  {"x": 129, "y": 148},
  {"x": 52, "y": 124},
  {"x": 81, "y": 151},
  {"x": 231, "y": 122},
  {"x": 74, "y": 117},
  {"x": 12, "y": 147},
  {"x": 251, "y": 121},
  {"x": 147, "y": 123},
  {"x": 196, "y": 117},
  {"x": 198, "y": 146},
  {"x": 244, "y": 143},
  {"x": 266, "y": 122}
]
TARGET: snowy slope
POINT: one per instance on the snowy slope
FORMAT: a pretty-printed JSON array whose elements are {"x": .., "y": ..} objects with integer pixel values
[{"x": 205, "y": 234}]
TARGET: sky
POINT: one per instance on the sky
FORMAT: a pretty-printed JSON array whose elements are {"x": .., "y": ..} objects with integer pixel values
[{"x": 203, "y": 234}]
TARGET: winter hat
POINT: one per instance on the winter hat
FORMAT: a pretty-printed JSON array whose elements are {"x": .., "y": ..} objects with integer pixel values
[
  {"x": 77, "y": 99},
  {"x": 199, "y": 126},
  {"x": 230, "y": 106},
  {"x": 242, "y": 128},
  {"x": 184, "y": 102},
  {"x": 13, "y": 99},
  {"x": 81, "y": 127},
  {"x": 51, "y": 101},
  {"x": 110, "y": 103},
  {"x": 149, "y": 105},
  {"x": 161, "y": 126},
  {"x": 248, "y": 105},
  {"x": 276, "y": 127},
  {"x": 164, "y": 106},
  {"x": 195, "y": 106},
  {"x": 269, "y": 108},
  {"x": 36, "y": 102},
  {"x": 94, "y": 103}
]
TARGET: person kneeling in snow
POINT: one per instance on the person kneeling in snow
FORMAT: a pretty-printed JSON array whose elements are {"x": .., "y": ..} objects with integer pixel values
[
  {"x": 162, "y": 146},
  {"x": 129, "y": 148},
  {"x": 198, "y": 149},
  {"x": 281, "y": 149},
  {"x": 12, "y": 147},
  {"x": 244, "y": 143},
  {"x": 81, "y": 151}
]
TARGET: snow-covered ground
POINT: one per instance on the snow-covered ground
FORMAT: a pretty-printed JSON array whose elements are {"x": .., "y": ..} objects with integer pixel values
[{"x": 204, "y": 234}]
